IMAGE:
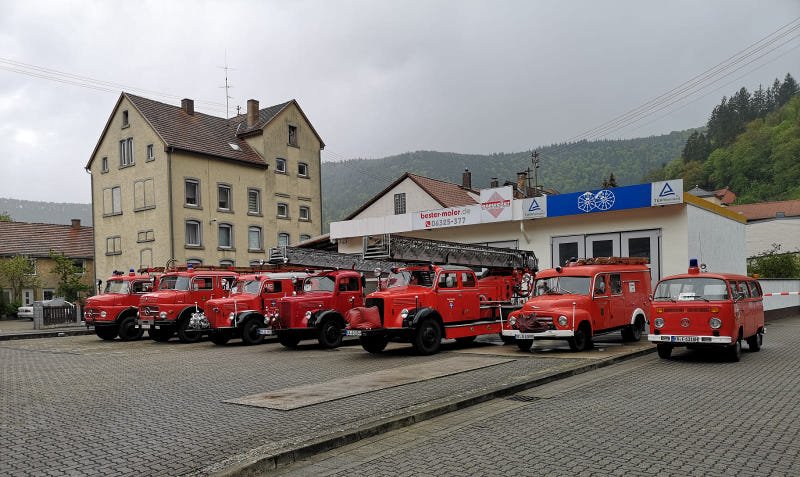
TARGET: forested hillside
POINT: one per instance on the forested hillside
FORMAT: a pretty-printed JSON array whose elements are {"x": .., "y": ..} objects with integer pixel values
[
  {"x": 45, "y": 212},
  {"x": 566, "y": 167}
]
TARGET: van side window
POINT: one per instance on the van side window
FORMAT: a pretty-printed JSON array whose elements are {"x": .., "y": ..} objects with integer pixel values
[
  {"x": 616, "y": 284},
  {"x": 742, "y": 289},
  {"x": 600, "y": 285},
  {"x": 755, "y": 290}
]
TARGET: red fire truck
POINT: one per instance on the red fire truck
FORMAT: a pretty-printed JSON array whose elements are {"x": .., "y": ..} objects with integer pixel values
[
  {"x": 582, "y": 299},
  {"x": 707, "y": 310},
  {"x": 182, "y": 292},
  {"x": 252, "y": 305},
  {"x": 113, "y": 313}
]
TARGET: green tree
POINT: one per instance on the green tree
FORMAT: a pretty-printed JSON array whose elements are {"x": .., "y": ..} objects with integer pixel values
[
  {"x": 775, "y": 264},
  {"x": 5, "y": 217},
  {"x": 17, "y": 273},
  {"x": 69, "y": 278}
]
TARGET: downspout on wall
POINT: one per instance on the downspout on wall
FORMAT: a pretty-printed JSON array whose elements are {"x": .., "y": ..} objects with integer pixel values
[
  {"x": 169, "y": 194},
  {"x": 95, "y": 289}
]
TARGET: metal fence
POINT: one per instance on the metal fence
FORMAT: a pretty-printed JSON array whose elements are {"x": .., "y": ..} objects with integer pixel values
[{"x": 55, "y": 316}]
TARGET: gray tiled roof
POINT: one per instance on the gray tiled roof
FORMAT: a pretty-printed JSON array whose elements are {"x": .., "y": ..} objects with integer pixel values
[{"x": 36, "y": 240}]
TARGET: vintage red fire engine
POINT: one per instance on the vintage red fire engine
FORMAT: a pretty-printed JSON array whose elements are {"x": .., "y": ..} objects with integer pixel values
[
  {"x": 182, "y": 293},
  {"x": 700, "y": 310},
  {"x": 582, "y": 299},
  {"x": 251, "y": 305},
  {"x": 113, "y": 313},
  {"x": 423, "y": 304}
]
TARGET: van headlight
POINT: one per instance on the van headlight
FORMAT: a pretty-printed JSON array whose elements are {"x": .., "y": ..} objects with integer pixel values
[
  {"x": 715, "y": 323},
  {"x": 404, "y": 313},
  {"x": 659, "y": 322},
  {"x": 562, "y": 320}
]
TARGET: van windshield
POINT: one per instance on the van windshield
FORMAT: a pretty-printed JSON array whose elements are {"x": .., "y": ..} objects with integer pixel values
[
  {"x": 562, "y": 285},
  {"x": 688, "y": 289},
  {"x": 252, "y": 287},
  {"x": 173, "y": 282},
  {"x": 117, "y": 286}
]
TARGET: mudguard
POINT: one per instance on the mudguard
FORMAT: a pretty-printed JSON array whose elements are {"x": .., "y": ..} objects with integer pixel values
[
  {"x": 636, "y": 313},
  {"x": 246, "y": 315},
  {"x": 319, "y": 316},
  {"x": 416, "y": 316}
]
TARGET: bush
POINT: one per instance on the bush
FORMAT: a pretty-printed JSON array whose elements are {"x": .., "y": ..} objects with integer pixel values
[{"x": 775, "y": 264}]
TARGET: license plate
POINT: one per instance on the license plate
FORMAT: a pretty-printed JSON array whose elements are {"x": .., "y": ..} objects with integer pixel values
[
  {"x": 265, "y": 331},
  {"x": 145, "y": 326},
  {"x": 686, "y": 339},
  {"x": 525, "y": 336},
  {"x": 352, "y": 332}
]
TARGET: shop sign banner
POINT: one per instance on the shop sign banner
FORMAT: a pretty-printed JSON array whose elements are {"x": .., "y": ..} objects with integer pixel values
[
  {"x": 666, "y": 192},
  {"x": 599, "y": 200},
  {"x": 534, "y": 208},
  {"x": 441, "y": 218},
  {"x": 496, "y": 204}
]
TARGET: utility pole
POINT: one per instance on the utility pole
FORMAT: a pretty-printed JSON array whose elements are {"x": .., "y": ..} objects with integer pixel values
[{"x": 535, "y": 162}]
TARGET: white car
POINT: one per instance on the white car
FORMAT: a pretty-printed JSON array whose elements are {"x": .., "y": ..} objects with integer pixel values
[{"x": 25, "y": 312}]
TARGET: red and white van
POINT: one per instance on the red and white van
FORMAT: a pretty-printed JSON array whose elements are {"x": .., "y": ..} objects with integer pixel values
[{"x": 699, "y": 309}]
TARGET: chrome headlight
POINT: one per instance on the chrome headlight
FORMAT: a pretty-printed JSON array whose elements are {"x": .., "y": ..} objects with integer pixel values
[
  {"x": 404, "y": 313},
  {"x": 562, "y": 320},
  {"x": 231, "y": 316},
  {"x": 512, "y": 321},
  {"x": 715, "y": 322},
  {"x": 308, "y": 315},
  {"x": 659, "y": 322},
  {"x": 103, "y": 314},
  {"x": 163, "y": 314}
]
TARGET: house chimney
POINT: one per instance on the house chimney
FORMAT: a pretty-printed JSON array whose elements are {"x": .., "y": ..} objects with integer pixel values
[
  {"x": 187, "y": 105},
  {"x": 522, "y": 184},
  {"x": 466, "y": 179},
  {"x": 76, "y": 223},
  {"x": 252, "y": 112},
  {"x": 494, "y": 183}
]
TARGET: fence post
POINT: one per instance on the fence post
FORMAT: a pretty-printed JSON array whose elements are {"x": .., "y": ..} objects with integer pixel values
[{"x": 38, "y": 316}]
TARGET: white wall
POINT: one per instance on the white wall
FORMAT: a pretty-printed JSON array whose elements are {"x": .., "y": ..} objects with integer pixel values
[
  {"x": 761, "y": 235},
  {"x": 717, "y": 241},
  {"x": 416, "y": 199},
  {"x": 776, "y": 285}
]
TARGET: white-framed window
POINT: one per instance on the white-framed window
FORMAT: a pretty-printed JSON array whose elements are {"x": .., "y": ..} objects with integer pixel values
[
  {"x": 126, "y": 152},
  {"x": 292, "y": 135},
  {"x": 125, "y": 122},
  {"x": 80, "y": 265},
  {"x": 224, "y": 199},
  {"x": 194, "y": 261},
  {"x": 226, "y": 263},
  {"x": 280, "y": 165},
  {"x": 254, "y": 201},
  {"x": 193, "y": 234},
  {"x": 225, "y": 235},
  {"x": 304, "y": 237},
  {"x": 192, "y": 195},
  {"x": 305, "y": 212},
  {"x": 31, "y": 267},
  {"x": 104, "y": 165},
  {"x": 283, "y": 239},
  {"x": 151, "y": 154},
  {"x": 146, "y": 258},
  {"x": 283, "y": 210},
  {"x": 145, "y": 236},
  {"x": 254, "y": 241},
  {"x": 144, "y": 194},
  {"x": 114, "y": 245},
  {"x": 400, "y": 203},
  {"x": 302, "y": 169},
  {"x": 112, "y": 200}
]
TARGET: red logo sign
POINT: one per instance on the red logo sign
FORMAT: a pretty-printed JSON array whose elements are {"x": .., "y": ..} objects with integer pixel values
[{"x": 495, "y": 205}]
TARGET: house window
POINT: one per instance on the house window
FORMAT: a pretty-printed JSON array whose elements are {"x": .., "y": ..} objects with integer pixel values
[
  {"x": 280, "y": 165},
  {"x": 194, "y": 262},
  {"x": 304, "y": 237},
  {"x": 114, "y": 245},
  {"x": 145, "y": 236},
  {"x": 226, "y": 263},
  {"x": 144, "y": 196},
  {"x": 112, "y": 201},
  {"x": 302, "y": 169},
  {"x": 283, "y": 210},
  {"x": 254, "y": 201},
  {"x": 79, "y": 265},
  {"x": 151, "y": 155},
  {"x": 104, "y": 165},
  {"x": 48, "y": 294},
  {"x": 31, "y": 267},
  {"x": 225, "y": 235},
  {"x": 254, "y": 242},
  {"x": 193, "y": 237},
  {"x": 146, "y": 258},
  {"x": 125, "y": 119},
  {"x": 305, "y": 213},
  {"x": 283, "y": 239},
  {"x": 224, "y": 194},
  {"x": 126, "y": 152},
  {"x": 192, "y": 193},
  {"x": 400, "y": 203},
  {"x": 293, "y": 135}
]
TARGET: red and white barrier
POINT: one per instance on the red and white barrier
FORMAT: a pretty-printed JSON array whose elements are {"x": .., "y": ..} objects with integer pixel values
[{"x": 781, "y": 293}]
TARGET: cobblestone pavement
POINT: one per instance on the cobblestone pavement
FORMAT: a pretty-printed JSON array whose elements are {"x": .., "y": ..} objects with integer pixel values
[
  {"x": 693, "y": 415},
  {"x": 82, "y": 406}
]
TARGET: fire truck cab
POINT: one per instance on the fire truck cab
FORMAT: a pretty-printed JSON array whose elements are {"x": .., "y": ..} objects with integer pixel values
[
  {"x": 113, "y": 313},
  {"x": 707, "y": 310}
]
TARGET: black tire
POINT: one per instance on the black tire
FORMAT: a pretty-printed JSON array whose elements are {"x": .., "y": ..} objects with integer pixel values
[
  {"x": 634, "y": 332},
  {"x": 250, "y": 334},
  {"x": 374, "y": 344},
  {"x": 106, "y": 333},
  {"x": 755, "y": 342},
  {"x": 427, "y": 338},
  {"x": 664, "y": 350},
  {"x": 582, "y": 339},
  {"x": 506, "y": 339},
  {"x": 524, "y": 345},
  {"x": 465, "y": 340},
  {"x": 330, "y": 334},
  {"x": 161, "y": 335},
  {"x": 128, "y": 330},
  {"x": 220, "y": 337},
  {"x": 186, "y": 334},
  {"x": 735, "y": 351},
  {"x": 289, "y": 341}
]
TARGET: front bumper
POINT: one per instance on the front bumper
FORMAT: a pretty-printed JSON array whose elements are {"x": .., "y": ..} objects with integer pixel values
[
  {"x": 403, "y": 334},
  {"x": 544, "y": 335},
  {"x": 154, "y": 324},
  {"x": 680, "y": 340}
]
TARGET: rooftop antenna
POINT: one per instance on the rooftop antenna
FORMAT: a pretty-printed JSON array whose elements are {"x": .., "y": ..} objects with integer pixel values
[
  {"x": 535, "y": 162},
  {"x": 227, "y": 86}
]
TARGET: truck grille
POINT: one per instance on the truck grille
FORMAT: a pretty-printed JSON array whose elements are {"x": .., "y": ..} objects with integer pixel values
[
  {"x": 375, "y": 302},
  {"x": 150, "y": 311}
]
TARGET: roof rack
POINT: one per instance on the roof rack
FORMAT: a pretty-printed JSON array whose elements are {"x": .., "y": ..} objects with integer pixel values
[{"x": 609, "y": 261}]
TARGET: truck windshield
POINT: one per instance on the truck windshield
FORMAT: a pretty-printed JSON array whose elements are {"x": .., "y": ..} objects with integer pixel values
[
  {"x": 322, "y": 283},
  {"x": 404, "y": 278},
  {"x": 694, "y": 288},
  {"x": 252, "y": 287},
  {"x": 172, "y": 282},
  {"x": 117, "y": 286},
  {"x": 562, "y": 285}
]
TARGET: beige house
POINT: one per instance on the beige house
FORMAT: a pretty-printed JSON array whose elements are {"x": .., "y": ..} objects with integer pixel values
[{"x": 170, "y": 183}]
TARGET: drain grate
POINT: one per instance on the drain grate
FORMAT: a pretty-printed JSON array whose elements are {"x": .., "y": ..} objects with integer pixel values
[{"x": 521, "y": 398}]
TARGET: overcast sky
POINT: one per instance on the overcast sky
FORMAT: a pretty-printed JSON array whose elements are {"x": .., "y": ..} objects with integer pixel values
[{"x": 375, "y": 78}]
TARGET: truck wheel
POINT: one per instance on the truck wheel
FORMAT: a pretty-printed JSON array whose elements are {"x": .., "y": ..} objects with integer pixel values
[
  {"x": 128, "y": 330},
  {"x": 664, "y": 350},
  {"x": 220, "y": 337},
  {"x": 735, "y": 351},
  {"x": 755, "y": 342},
  {"x": 581, "y": 341},
  {"x": 524, "y": 345},
  {"x": 330, "y": 334},
  {"x": 288, "y": 341},
  {"x": 427, "y": 338},
  {"x": 250, "y": 334},
  {"x": 106, "y": 333},
  {"x": 634, "y": 331},
  {"x": 374, "y": 344},
  {"x": 187, "y": 335},
  {"x": 161, "y": 335},
  {"x": 506, "y": 339}
]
